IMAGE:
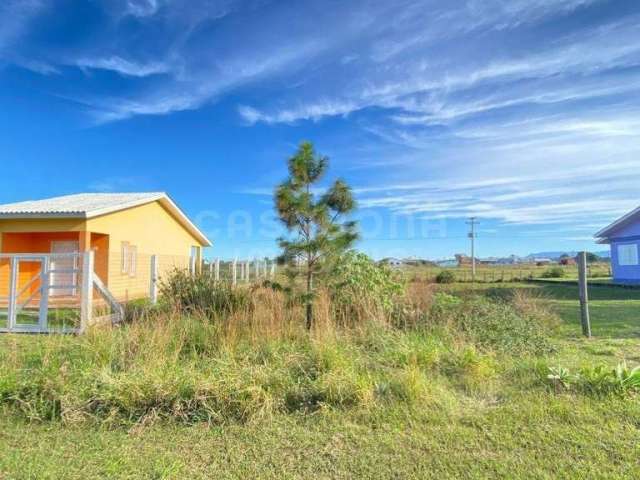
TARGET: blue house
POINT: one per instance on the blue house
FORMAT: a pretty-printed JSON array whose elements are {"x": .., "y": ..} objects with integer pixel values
[{"x": 623, "y": 236}]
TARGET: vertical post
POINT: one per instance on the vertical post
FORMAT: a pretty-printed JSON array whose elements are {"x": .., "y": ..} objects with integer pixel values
[
  {"x": 256, "y": 263},
  {"x": 472, "y": 235},
  {"x": 273, "y": 269},
  {"x": 44, "y": 294},
  {"x": 217, "y": 270},
  {"x": 13, "y": 290},
  {"x": 153, "y": 286},
  {"x": 584, "y": 294},
  {"x": 234, "y": 271},
  {"x": 86, "y": 294}
]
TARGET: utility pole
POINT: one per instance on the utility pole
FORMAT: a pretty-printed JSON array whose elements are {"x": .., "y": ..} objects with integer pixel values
[{"x": 472, "y": 235}]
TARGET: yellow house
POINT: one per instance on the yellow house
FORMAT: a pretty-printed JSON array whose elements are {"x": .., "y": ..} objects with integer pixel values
[{"x": 123, "y": 229}]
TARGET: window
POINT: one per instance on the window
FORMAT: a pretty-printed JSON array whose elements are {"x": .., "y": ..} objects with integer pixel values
[
  {"x": 627, "y": 255},
  {"x": 133, "y": 260},
  {"x": 129, "y": 255},
  {"x": 124, "y": 256}
]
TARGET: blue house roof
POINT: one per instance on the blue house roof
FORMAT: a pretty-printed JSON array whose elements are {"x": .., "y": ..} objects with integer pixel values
[{"x": 631, "y": 218}]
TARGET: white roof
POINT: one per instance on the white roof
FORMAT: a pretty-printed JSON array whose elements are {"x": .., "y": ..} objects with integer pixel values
[{"x": 89, "y": 205}]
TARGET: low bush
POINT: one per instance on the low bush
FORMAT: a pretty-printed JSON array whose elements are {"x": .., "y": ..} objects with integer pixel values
[
  {"x": 445, "y": 276},
  {"x": 597, "y": 380},
  {"x": 359, "y": 286},
  {"x": 553, "y": 272},
  {"x": 493, "y": 324},
  {"x": 201, "y": 293}
]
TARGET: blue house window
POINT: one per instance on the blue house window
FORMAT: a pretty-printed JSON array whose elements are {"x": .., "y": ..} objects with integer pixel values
[{"x": 627, "y": 255}]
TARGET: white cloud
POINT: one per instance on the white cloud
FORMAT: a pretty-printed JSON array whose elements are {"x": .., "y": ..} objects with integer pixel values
[
  {"x": 124, "y": 67},
  {"x": 304, "y": 112},
  {"x": 142, "y": 8}
]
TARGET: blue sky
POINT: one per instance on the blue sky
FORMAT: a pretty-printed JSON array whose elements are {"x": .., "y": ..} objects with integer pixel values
[{"x": 524, "y": 113}]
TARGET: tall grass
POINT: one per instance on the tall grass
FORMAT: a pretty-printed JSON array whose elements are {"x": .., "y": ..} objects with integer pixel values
[{"x": 216, "y": 353}]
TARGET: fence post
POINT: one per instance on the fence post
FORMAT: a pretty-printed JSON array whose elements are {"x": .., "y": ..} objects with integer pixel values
[
  {"x": 273, "y": 269},
  {"x": 153, "y": 287},
  {"x": 13, "y": 290},
  {"x": 86, "y": 294},
  {"x": 233, "y": 271},
  {"x": 584, "y": 294},
  {"x": 217, "y": 270}
]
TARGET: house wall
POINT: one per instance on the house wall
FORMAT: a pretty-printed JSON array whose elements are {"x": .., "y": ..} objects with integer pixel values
[
  {"x": 624, "y": 273},
  {"x": 153, "y": 231},
  {"x": 628, "y": 234},
  {"x": 18, "y": 242},
  {"x": 150, "y": 228}
]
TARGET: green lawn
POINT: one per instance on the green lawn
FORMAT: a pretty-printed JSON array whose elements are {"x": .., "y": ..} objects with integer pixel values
[{"x": 510, "y": 426}]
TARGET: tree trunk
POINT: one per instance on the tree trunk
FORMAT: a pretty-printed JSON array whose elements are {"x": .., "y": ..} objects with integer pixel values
[{"x": 309, "y": 301}]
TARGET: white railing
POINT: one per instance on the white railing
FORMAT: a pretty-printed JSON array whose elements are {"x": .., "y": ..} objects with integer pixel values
[
  {"x": 52, "y": 290},
  {"x": 242, "y": 271}
]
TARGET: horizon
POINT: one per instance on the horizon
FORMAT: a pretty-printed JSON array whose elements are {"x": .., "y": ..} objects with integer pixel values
[{"x": 533, "y": 131}]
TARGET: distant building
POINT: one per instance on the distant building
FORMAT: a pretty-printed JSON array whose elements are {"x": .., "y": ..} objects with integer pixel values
[
  {"x": 462, "y": 259},
  {"x": 542, "y": 261},
  {"x": 623, "y": 236},
  {"x": 392, "y": 262}
]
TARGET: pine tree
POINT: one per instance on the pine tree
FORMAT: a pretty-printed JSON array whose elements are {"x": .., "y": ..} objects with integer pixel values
[{"x": 320, "y": 234}]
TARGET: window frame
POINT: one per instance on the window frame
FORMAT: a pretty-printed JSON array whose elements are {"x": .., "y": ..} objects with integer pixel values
[
  {"x": 124, "y": 259},
  {"x": 628, "y": 255},
  {"x": 133, "y": 260},
  {"x": 129, "y": 260}
]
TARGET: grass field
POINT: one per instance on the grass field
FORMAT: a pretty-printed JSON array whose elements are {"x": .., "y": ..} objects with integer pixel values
[
  {"x": 457, "y": 411},
  {"x": 503, "y": 273}
]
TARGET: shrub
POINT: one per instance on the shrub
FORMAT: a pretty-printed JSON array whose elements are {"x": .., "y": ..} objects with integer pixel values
[
  {"x": 553, "y": 272},
  {"x": 597, "y": 380},
  {"x": 492, "y": 324},
  {"x": 186, "y": 293},
  {"x": 445, "y": 276},
  {"x": 136, "y": 310},
  {"x": 357, "y": 281}
]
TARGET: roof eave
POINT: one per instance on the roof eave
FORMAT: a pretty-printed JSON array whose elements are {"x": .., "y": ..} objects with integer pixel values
[
  {"x": 606, "y": 231},
  {"x": 42, "y": 215},
  {"x": 195, "y": 231}
]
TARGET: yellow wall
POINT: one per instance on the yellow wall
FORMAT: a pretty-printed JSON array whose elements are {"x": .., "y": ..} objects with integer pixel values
[{"x": 154, "y": 231}]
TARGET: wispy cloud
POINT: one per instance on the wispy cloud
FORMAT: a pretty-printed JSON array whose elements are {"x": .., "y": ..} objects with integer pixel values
[
  {"x": 16, "y": 17},
  {"x": 142, "y": 8},
  {"x": 537, "y": 123},
  {"x": 123, "y": 66}
]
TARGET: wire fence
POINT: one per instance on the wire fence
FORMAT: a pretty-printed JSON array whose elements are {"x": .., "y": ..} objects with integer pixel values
[{"x": 502, "y": 273}]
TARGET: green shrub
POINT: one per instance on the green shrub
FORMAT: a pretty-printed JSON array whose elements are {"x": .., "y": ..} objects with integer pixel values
[
  {"x": 445, "y": 276},
  {"x": 200, "y": 293},
  {"x": 358, "y": 280},
  {"x": 492, "y": 324},
  {"x": 136, "y": 310},
  {"x": 597, "y": 380},
  {"x": 553, "y": 272}
]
